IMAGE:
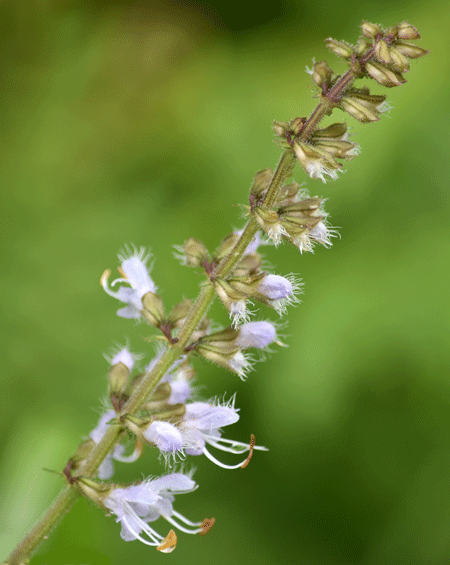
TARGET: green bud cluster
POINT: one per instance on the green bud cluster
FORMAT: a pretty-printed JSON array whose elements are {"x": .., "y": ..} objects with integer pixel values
[{"x": 380, "y": 54}]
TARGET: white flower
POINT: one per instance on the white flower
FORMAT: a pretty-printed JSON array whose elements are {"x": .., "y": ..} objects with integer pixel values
[
  {"x": 319, "y": 234},
  {"x": 241, "y": 364},
  {"x": 123, "y": 356},
  {"x": 276, "y": 233},
  {"x": 256, "y": 334},
  {"x": 201, "y": 425},
  {"x": 135, "y": 272},
  {"x": 322, "y": 234},
  {"x": 238, "y": 312},
  {"x": 137, "y": 505}
]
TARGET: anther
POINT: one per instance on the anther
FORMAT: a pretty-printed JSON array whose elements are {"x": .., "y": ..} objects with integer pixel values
[
  {"x": 104, "y": 278},
  {"x": 169, "y": 543},
  {"x": 206, "y": 525},
  {"x": 250, "y": 453}
]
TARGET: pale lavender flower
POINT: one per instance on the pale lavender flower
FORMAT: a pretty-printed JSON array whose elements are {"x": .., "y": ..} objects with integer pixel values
[
  {"x": 136, "y": 505},
  {"x": 256, "y": 334},
  {"x": 279, "y": 291},
  {"x": 166, "y": 437},
  {"x": 275, "y": 287},
  {"x": 135, "y": 272},
  {"x": 201, "y": 426},
  {"x": 181, "y": 391}
]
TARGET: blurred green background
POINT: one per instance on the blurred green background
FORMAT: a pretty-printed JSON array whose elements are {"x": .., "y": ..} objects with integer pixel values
[{"x": 145, "y": 122}]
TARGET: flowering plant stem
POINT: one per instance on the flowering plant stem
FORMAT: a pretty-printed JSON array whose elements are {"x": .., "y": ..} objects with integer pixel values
[{"x": 328, "y": 99}]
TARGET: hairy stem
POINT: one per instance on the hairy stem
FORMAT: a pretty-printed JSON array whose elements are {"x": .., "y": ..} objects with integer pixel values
[{"x": 66, "y": 499}]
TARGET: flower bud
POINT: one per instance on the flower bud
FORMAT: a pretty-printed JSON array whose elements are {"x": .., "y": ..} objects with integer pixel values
[
  {"x": 371, "y": 30},
  {"x": 261, "y": 183},
  {"x": 269, "y": 221},
  {"x": 195, "y": 253},
  {"x": 321, "y": 73},
  {"x": 362, "y": 47},
  {"x": 407, "y": 31},
  {"x": 256, "y": 334},
  {"x": 382, "y": 52},
  {"x": 360, "y": 112},
  {"x": 229, "y": 357},
  {"x": 339, "y": 48},
  {"x": 226, "y": 246},
  {"x": 278, "y": 292},
  {"x": 119, "y": 373},
  {"x": 280, "y": 128},
  {"x": 336, "y": 131},
  {"x": 383, "y": 75},
  {"x": 248, "y": 266},
  {"x": 399, "y": 61},
  {"x": 410, "y": 50},
  {"x": 153, "y": 310},
  {"x": 288, "y": 193},
  {"x": 179, "y": 312}
]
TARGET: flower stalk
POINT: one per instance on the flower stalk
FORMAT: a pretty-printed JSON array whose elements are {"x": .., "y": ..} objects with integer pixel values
[{"x": 380, "y": 55}]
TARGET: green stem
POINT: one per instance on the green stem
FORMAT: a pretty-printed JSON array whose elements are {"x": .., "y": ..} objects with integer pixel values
[
  {"x": 66, "y": 499},
  {"x": 52, "y": 516}
]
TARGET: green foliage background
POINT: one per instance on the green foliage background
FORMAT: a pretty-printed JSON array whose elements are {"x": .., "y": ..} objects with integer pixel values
[{"x": 145, "y": 122}]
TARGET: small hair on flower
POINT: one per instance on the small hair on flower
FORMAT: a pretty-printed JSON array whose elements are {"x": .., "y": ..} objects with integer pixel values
[
  {"x": 201, "y": 426},
  {"x": 135, "y": 270},
  {"x": 279, "y": 292},
  {"x": 256, "y": 334}
]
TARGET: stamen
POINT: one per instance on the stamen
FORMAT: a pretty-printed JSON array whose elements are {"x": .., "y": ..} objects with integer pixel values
[
  {"x": 169, "y": 543},
  {"x": 236, "y": 447},
  {"x": 219, "y": 463},
  {"x": 250, "y": 455},
  {"x": 180, "y": 527},
  {"x": 185, "y": 520},
  {"x": 207, "y": 524}
]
